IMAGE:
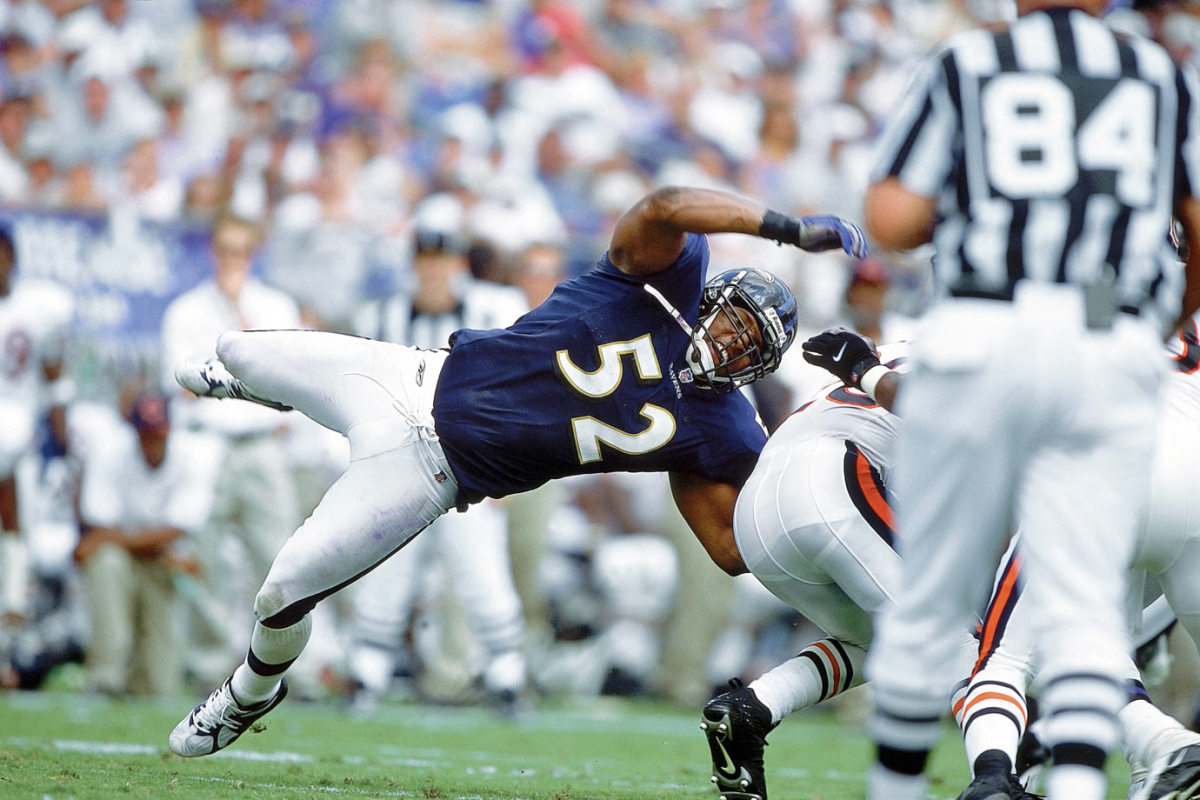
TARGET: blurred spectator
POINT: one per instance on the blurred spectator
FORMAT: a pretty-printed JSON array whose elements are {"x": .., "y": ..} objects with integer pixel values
[
  {"x": 256, "y": 507},
  {"x": 538, "y": 269},
  {"x": 35, "y": 319},
  {"x": 472, "y": 546},
  {"x": 551, "y": 36},
  {"x": 112, "y": 116},
  {"x": 157, "y": 196},
  {"x": 14, "y": 122},
  {"x": 141, "y": 496}
]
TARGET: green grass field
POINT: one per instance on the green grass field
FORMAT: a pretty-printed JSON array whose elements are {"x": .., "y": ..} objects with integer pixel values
[{"x": 55, "y": 746}]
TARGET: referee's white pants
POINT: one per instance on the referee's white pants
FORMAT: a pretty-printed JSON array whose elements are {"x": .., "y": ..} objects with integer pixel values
[
  {"x": 473, "y": 548},
  {"x": 1016, "y": 413},
  {"x": 380, "y": 396}
]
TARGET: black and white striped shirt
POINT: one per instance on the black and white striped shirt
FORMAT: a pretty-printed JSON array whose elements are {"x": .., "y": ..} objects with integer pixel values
[
  {"x": 1053, "y": 148},
  {"x": 482, "y": 306}
]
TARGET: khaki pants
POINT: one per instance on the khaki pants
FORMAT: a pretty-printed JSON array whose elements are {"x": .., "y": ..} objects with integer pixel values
[
  {"x": 701, "y": 611},
  {"x": 134, "y": 646}
]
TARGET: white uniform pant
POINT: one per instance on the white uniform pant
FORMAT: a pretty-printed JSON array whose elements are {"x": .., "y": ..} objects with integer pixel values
[
  {"x": 802, "y": 527},
  {"x": 1016, "y": 412},
  {"x": 380, "y": 396},
  {"x": 1170, "y": 544}
]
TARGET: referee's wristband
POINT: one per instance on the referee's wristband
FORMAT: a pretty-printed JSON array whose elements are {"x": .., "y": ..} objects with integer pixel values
[{"x": 870, "y": 379}]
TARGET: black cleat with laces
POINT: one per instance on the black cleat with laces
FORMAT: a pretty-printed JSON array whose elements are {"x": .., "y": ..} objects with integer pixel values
[{"x": 736, "y": 725}]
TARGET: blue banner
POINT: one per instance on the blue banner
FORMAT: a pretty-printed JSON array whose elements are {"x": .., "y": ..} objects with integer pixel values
[{"x": 122, "y": 272}]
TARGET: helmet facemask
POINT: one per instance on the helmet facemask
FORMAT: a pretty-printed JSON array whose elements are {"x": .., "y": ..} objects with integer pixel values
[{"x": 737, "y": 357}]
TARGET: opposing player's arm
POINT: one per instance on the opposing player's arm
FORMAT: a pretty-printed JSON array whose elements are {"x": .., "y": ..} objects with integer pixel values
[
  {"x": 650, "y": 235},
  {"x": 853, "y": 358},
  {"x": 707, "y": 507}
]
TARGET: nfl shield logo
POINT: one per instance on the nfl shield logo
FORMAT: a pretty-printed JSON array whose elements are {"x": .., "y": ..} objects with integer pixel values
[
  {"x": 440, "y": 476},
  {"x": 685, "y": 375}
]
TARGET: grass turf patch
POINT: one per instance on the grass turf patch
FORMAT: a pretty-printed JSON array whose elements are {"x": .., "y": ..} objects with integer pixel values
[{"x": 60, "y": 746}]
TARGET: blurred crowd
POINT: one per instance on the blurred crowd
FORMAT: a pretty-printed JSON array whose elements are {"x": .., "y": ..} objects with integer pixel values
[{"x": 326, "y": 147}]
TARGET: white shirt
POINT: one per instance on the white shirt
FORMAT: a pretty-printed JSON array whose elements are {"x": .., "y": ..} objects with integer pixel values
[
  {"x": 35, "y": 321},
  {"x": 835, "y": 411},
  {"x": 191, "y": 326},
  {"x": 120, "y": 490}
]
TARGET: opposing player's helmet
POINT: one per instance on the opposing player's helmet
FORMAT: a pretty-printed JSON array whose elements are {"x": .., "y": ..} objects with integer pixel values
[{"x": 749, "y": 354}]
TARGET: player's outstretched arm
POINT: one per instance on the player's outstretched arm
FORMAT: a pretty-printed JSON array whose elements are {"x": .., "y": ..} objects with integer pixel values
[
  {"x": 650, "y": 235},
  {"x": 855, "y": 361},
  {"x": 707, "y": 507}
]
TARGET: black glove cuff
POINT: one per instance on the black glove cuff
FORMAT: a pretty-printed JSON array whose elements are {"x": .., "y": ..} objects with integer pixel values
[{"x": 780, "y": 228}]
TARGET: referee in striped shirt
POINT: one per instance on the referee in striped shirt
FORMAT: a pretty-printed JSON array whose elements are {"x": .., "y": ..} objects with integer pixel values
[{"x": 1044, "y": 162}]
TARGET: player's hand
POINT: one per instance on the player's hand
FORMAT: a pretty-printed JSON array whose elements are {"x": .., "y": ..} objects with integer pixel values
[
  {"x": 843, "y": 352},
  {"x": 818, "y": 234}
]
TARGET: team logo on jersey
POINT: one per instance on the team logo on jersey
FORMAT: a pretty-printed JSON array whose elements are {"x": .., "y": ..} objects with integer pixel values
[{"x": 421, "y": 373}]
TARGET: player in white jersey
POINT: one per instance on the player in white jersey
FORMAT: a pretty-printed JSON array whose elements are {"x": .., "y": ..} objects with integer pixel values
[
  {"x": 472, "y": 545},
  {"x": 35, "y": 321},
  {"x": 992, "y": 710},
  {"x": 814, "y": 525}
]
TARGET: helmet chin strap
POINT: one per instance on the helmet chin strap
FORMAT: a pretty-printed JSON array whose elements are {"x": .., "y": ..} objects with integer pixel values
[
  {"x": 699, "y": 355},
  {"x": 675, "y": 315}
]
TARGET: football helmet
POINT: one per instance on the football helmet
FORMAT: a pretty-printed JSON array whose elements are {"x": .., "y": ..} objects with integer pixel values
[{"x": 741, "y": 352}]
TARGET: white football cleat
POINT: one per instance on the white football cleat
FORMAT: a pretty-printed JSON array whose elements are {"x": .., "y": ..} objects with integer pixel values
[
  {"x": 212, "y": 379},
  {"x": 218, "y": 722},
  {"x": 1175, "y": 776}
]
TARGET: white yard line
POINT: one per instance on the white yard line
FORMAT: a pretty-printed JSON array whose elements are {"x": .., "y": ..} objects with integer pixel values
[{"x": 125, "y": 748}]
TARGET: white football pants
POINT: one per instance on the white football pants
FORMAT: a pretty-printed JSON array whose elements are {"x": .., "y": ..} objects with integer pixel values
[
  {"x": 802, "y": 534},
  {"x": 380, "y": 396}
]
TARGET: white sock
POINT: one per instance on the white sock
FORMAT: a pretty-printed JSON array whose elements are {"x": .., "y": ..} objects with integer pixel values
[
  {"x": 792, "y": 685},
  {"x": 1075, "y": 782},
  {"x": 883, "y": 784},
  {"x": 14, "y": 573},
  {"x": 1147, "y": 734},
  {"x": 372, "y": 667},
  {"x": 820, "y": 671},
  {"x": 272, "y": 646}
]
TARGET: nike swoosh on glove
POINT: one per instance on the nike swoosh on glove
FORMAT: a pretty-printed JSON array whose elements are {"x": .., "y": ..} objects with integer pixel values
[
  {"x": 843, "y": 352},
  {"x": 821, "y": 233}
]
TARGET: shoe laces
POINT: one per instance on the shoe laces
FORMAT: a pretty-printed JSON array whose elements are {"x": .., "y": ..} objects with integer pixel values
[{"x": 221, "y": 708}]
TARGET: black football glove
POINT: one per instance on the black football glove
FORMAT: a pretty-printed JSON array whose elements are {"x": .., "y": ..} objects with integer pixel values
[{"x": 843, "y": 352}]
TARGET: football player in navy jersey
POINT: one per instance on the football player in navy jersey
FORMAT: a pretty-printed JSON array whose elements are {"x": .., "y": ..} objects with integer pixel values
[{"x": 630, "y": 367}]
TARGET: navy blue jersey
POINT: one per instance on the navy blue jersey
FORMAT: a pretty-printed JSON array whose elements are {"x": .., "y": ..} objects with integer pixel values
[{"x": 592, "y": 380}]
